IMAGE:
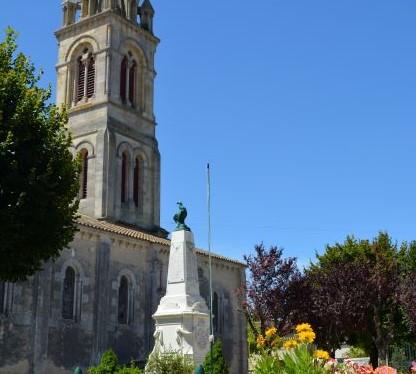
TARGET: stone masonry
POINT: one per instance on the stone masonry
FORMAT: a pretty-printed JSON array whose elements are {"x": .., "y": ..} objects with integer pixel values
[{"x": 103, "y": 290}]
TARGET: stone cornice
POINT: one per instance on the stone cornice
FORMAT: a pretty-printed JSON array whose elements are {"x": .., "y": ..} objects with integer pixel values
[{"x": 103, "y": 18}]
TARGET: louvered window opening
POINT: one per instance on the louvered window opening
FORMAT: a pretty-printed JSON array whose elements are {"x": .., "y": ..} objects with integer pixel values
[
  {"x": 81, "y": 80},
  {"x": 68, "y": 298},
  {"x": 91, "y": 79},
  {"x": 123, "y": 177},
  {"x": 123, "y": 301}
]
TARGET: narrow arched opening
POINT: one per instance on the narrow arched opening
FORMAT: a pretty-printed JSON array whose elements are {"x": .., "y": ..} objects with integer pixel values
[
  {"x": 124, "y": 160},
  {"x": 83, "y": 189},
  {"x": 123, "y": 301},
  {"x": 68, "y": 297},
  {"x": 215, "y": 310}
]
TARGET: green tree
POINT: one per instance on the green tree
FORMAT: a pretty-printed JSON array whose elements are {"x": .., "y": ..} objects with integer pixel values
[
  {"x": 215, "y": 363},
  {"x": 353, "y": 295},
  {"x": 39, "y": 177}
]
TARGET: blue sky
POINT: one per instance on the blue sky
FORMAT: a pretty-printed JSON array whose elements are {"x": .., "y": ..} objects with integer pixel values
[{"x": 305, "y": 109}]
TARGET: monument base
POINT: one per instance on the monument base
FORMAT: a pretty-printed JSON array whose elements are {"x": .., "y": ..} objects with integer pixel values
[{"x": 182, "y": 318}]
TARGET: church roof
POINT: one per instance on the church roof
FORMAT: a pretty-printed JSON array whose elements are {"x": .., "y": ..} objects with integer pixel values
[{"x": 133, "y": 233}]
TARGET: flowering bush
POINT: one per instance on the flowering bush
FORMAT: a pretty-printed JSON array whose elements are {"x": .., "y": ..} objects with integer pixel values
[
  {"x": 292, "y": 356},
  {"x": 298, "y": 355}
]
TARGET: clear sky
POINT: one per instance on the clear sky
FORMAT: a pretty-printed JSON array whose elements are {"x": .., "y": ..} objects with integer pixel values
[{"x": 305, "y": 109}]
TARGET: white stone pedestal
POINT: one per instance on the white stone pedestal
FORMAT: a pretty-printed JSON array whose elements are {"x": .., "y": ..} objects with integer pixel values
[{"x": 182, "y": 318}]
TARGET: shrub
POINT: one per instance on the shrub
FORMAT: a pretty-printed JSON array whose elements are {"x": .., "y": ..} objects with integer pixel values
[
  {"x": 218, "y": 364},
  {"x": 293, "y": 356},
  {"x": 169, "y": 363},
  {"x": 109, "y": 365},
  {"x": 356, "y": 352}
]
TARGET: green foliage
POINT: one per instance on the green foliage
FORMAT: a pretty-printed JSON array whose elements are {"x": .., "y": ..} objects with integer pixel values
[
  {"x": 169, "y": 363},
  {"x": 300, "y": 360},
  {"x": 294, "y": 361},
  {"x": 39, "y": 178},
  {"x": 353, "y": 295},
  {"x": 217, "y": 364},
  {"x": 356, "y": 352},
  {"x": 109, "y": 365},
  {"x": 251, "y": 339},
  {"x": 267, "y": 365}
]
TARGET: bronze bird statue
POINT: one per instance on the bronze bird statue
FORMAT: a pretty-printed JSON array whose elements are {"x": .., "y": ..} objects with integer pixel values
[{"x": 180, "y": 217}]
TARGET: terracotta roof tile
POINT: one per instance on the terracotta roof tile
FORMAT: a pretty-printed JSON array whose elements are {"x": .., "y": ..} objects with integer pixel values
[{"x": 117, "y": 228}]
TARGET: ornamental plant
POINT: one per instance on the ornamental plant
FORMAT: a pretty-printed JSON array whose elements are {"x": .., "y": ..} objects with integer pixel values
[
  {"x": 169, "y": 363},
  {"x": 109, "y": 364},
  {"x": 292, "y": 356},
  {"x": 215, "y": 362}
]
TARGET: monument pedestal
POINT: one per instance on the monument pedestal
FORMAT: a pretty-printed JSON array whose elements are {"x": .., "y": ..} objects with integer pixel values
[{"x": 182, "y": 318}]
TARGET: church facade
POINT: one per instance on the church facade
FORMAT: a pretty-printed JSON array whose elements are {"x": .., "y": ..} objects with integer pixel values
[{"x": 103, "y": 290}]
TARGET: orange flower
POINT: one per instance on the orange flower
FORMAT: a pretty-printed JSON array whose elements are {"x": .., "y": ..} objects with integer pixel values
[
  {"x": 290, "y": 344},
  {"x": 260, "y": 341},
  {"x": 270, "y": 332},
  {"x": 321, "y": 355},
  {"x": 306, "y": 336},
  {"x": 303, "y": 327}
]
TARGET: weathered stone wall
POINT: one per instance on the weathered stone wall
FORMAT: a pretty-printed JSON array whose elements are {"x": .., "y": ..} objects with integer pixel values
[{"x": 34, "y": 338}]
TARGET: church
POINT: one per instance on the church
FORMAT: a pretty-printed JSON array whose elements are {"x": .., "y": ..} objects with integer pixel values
[{"x": 102, "y": 291}]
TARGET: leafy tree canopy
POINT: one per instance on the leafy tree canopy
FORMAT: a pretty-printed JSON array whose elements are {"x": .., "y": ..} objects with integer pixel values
[
  {"x": 354, "y": 288},
  {"x": 39, "y": 178},
  {"x": 270, "y": 289}
]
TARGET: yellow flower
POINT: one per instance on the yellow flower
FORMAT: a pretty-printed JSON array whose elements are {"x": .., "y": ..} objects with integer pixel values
[
  {"x": 304, "y": 327},
  {"x": 321, "y": 355},
  {"x": 270, "y": 332},
  {"x": 289, "y": 344},
  {"x": 260, "y": 341},
  {"x": 306, "y": 336}
]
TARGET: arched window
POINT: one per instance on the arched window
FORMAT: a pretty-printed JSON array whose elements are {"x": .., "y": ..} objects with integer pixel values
[
  {"x": 215, "y": 310},
  {"x": 124, "y": 177},
  {"x": 2, "y": 297},
  {"x": 84, "y": 174},
  {"x": 123, "y": 79},
  {"x": 123, "y": 301},
  {"x": 137, "y": 184},
  {"x": 68, "y": 297},
  {"x": 85, "y": 87},
  {"x": 128, "y": 79},
  {"x": 132, "y": 82}
]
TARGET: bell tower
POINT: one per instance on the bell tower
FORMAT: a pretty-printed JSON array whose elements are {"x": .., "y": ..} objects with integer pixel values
[{"x": 105, "y": 77}]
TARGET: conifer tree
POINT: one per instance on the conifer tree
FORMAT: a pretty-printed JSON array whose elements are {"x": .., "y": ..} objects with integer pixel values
[{"x": 218, "y": 364}]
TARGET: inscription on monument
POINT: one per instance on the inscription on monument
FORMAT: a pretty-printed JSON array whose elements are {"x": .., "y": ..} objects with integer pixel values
[{"x": 177, "y": 270}]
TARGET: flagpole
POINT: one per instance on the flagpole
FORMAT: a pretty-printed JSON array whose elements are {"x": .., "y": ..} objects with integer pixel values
[{"x": 211, "y": 327}]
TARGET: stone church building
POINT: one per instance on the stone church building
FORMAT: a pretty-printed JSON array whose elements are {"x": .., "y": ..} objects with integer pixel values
[{"x": 104, "y": 289}]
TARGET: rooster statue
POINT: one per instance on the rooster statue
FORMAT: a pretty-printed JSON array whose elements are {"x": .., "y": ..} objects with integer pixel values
[{"x": 180, "y": 217}]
